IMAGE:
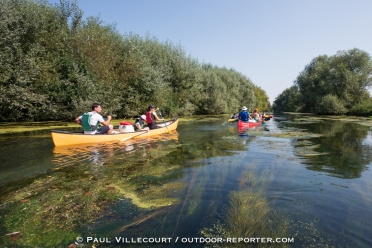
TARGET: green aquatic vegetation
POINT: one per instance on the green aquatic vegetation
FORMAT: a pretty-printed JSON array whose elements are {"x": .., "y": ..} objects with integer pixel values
[
  {"x": 299, "y": 113},
  {"x": 365, "y": 123},
  {"x": 354, "y": 119},
  {"x": 22, "y": 127},
  {"x": 294, "y": 134},
  {"x": 142, "y": 218},
  {"x": 275, "y": 144},
  {"x": 309, "y": 153},
  {"x": 305, "y": 148},
  {"x": 249, "y": 214},
  {"x": 50, "y": 210},
  {"x": 186, "y": 198},
  {"x": 306, "y": 121},
  {"x": 199, "y": 118},
  {"x": 305, "y": 142},
  {"x": 213, "y": 173},
  {"x": 194, "y": 194},
  {"x": 142, "y": 177}
]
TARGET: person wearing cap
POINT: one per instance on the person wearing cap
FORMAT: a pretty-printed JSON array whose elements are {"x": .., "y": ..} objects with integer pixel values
[
  {"x": 244, "y": 114},
  {"x": 140, "y": 124},
  {"x": 151, "y": 117}
]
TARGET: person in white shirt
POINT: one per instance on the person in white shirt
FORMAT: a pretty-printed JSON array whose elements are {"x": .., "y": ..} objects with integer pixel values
[{"x": 90, "y": 121}]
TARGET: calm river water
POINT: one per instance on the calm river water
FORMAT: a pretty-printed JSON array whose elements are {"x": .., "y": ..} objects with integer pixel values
[{"x": 297, "y": 181}]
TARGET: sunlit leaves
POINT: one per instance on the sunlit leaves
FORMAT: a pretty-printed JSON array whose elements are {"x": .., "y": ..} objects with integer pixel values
[
  {"x": 289, "y": 100},
  {"x": 59, "y": 64},
  {"x": 332, "y": 85}
]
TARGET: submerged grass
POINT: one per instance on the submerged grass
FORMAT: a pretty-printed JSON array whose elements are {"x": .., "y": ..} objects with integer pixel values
[
  {"x": 50, "y": 211},
  {"x": 365, "y": 121},
  {"x": 249, "y": 213},
  {"x": 305, "y": 148},
  {"x": 294, "y": 134}
]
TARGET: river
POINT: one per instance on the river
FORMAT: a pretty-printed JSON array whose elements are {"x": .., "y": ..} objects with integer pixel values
[{"x": 298, "y": 180}]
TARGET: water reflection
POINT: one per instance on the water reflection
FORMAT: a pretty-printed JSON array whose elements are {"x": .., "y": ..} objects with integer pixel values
[
  {"x": 24, "y": 156},
  {"x": 340, "y": 149},
  {"x": 97, "y": 154},
  {"x": 304, "y": 179},
  {"x": 86, "y": 179}
]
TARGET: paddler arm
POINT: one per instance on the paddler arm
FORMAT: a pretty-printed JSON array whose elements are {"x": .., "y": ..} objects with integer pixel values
[
  {"x": 157, "y": 118},
  {"x": 107, "y": 122},
  {"x": 78, "y": 120}
]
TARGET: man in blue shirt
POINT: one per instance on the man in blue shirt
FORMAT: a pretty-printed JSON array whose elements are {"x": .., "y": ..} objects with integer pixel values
[{"x": 244, "y": 114}]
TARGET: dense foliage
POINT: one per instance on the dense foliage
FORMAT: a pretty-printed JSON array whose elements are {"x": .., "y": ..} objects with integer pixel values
[
  {"x": 331, "y": 85},
  {"x": 288, "y": 100},
  {"x": 54, "y": 65}
]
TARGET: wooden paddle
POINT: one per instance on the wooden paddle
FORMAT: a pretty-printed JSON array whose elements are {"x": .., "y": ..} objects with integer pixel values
[{"x": 163, "y": 120}]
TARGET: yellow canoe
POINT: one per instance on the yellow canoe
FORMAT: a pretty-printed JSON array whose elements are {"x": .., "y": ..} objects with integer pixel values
[
  {"x": 231, "y": 119},
  {"x": 166, "y": 127},
  {"x": 64, "y": 138}
]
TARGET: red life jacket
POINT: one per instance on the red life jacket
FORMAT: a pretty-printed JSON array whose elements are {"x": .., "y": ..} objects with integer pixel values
[{"x": 149, "y": 117}]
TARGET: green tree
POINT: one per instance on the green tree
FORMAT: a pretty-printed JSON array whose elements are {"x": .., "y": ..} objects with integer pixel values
[
  {"x": 289, "y": 100},
  {"x": 333, "y": 85},
  {"x": 262, "y": 100},
  {"x": 54, "y": 64}
]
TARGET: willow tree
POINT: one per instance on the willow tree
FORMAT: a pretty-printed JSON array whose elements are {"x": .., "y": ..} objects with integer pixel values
[
  {"x": 247, "y": 95},
  {"x": 214, "y": 90},
  {"x": 54, "y": 64},
  {"x": 33, "y": 36},
  {"x": 262, "y": 100},
  {"x": 335, "y": 84},
  {"x": 289, "y": 100}
]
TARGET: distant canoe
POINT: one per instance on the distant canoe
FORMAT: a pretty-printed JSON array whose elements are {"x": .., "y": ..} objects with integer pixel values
[
  {"x": 64, "y": 138},
  {"x": 232, "y": 119}
]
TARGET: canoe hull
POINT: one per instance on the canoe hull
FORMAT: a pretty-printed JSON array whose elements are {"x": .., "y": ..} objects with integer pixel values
[
  {"x": 248, "y": 124},
  {"x": 166, "y": 127},
  {"x": 62, "y": 138},
  {"x": 231, "y": 119}
]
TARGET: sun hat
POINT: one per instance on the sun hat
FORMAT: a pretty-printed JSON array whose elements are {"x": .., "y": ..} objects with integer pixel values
[
  {"x": 143, "y": 117},
  {"x": 244, "y": 108}
]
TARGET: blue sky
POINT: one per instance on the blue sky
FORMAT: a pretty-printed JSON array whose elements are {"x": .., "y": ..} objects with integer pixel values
[{"x": 268, "y": 41}]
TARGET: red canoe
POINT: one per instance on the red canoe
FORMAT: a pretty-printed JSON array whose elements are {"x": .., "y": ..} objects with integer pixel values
[{"x": 248, "y": 124}]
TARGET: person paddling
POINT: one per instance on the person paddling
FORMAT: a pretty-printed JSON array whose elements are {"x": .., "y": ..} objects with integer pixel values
[
  {"x": 90, "y": 121},
  {"x": 244, "y": 114},
  {"x": 151, "y": 117}
]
